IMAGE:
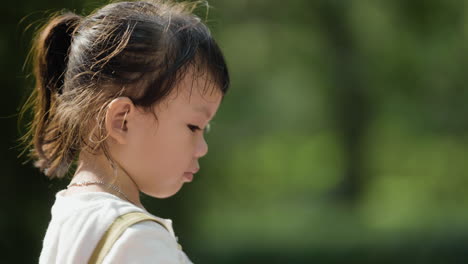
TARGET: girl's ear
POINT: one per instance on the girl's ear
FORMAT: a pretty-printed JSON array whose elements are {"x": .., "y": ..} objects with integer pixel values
[{"x": 119, "y": 113}]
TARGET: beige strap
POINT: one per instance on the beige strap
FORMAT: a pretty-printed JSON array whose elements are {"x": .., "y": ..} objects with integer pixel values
[{"x": 115, "y": 230}]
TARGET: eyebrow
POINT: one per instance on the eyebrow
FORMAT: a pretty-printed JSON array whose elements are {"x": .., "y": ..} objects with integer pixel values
[{"x": 204, "y": 110}]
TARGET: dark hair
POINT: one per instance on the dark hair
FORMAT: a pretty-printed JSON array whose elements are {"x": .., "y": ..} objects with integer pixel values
[{"x": 138, "y": 49}]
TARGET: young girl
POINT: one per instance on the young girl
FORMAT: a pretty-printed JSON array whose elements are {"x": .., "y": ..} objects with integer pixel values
[{"x": 127, "y": 93}]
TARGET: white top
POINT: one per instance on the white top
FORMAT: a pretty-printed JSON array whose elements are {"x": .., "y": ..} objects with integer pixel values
[{"x": 80, "y": 220}]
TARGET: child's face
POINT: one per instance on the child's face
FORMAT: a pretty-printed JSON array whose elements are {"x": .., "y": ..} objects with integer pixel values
[{"x": 159, "y": 153}]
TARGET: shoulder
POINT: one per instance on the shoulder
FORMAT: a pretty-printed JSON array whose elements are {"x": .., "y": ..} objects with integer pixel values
[
  {"x": 78, "y": 222},
  {"x": 147, "y": 242}
]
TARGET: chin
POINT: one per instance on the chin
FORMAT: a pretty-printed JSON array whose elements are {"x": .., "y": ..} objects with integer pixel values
[{"x": 162, "y": 195}]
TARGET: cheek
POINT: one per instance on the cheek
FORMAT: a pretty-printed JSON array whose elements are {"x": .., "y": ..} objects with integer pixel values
[{"x": 163, "y": 152}]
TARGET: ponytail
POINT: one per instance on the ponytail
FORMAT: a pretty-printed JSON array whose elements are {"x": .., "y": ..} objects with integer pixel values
[{"x": 50, "y": 57}]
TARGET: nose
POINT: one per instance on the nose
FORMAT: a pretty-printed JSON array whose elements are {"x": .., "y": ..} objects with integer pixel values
[{"x": 202, "y": 148}]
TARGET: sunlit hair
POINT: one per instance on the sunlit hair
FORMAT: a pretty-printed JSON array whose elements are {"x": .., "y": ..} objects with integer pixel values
[{"x": 139, "y": 49}]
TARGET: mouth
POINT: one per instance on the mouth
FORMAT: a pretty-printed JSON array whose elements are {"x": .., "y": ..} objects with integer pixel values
[{"x": 188, "y": 176}]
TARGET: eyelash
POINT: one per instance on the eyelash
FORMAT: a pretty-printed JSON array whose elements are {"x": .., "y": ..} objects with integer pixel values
[{"x": 195, "y": 128}]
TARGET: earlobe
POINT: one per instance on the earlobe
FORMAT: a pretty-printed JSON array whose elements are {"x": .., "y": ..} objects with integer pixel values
[{"x": 119, "y": 113}]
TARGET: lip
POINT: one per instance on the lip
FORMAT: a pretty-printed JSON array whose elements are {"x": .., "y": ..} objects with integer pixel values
[{"x": 188, "y": 176}]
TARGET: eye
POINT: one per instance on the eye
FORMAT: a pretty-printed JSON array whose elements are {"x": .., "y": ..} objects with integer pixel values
[{"x": 193, "y": 128}]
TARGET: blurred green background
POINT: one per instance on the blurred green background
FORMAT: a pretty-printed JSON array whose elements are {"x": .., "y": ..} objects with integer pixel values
[{"x": 343, "y": 139}]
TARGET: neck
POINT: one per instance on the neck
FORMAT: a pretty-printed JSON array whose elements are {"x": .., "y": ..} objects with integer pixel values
[{"x": 98, "y": 168}]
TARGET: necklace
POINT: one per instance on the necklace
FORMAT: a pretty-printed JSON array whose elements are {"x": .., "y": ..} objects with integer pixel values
[{"x": 108, "y": 185}]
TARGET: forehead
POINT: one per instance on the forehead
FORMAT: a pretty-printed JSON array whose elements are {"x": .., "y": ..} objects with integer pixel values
[{"x": 196, "y": 93}]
